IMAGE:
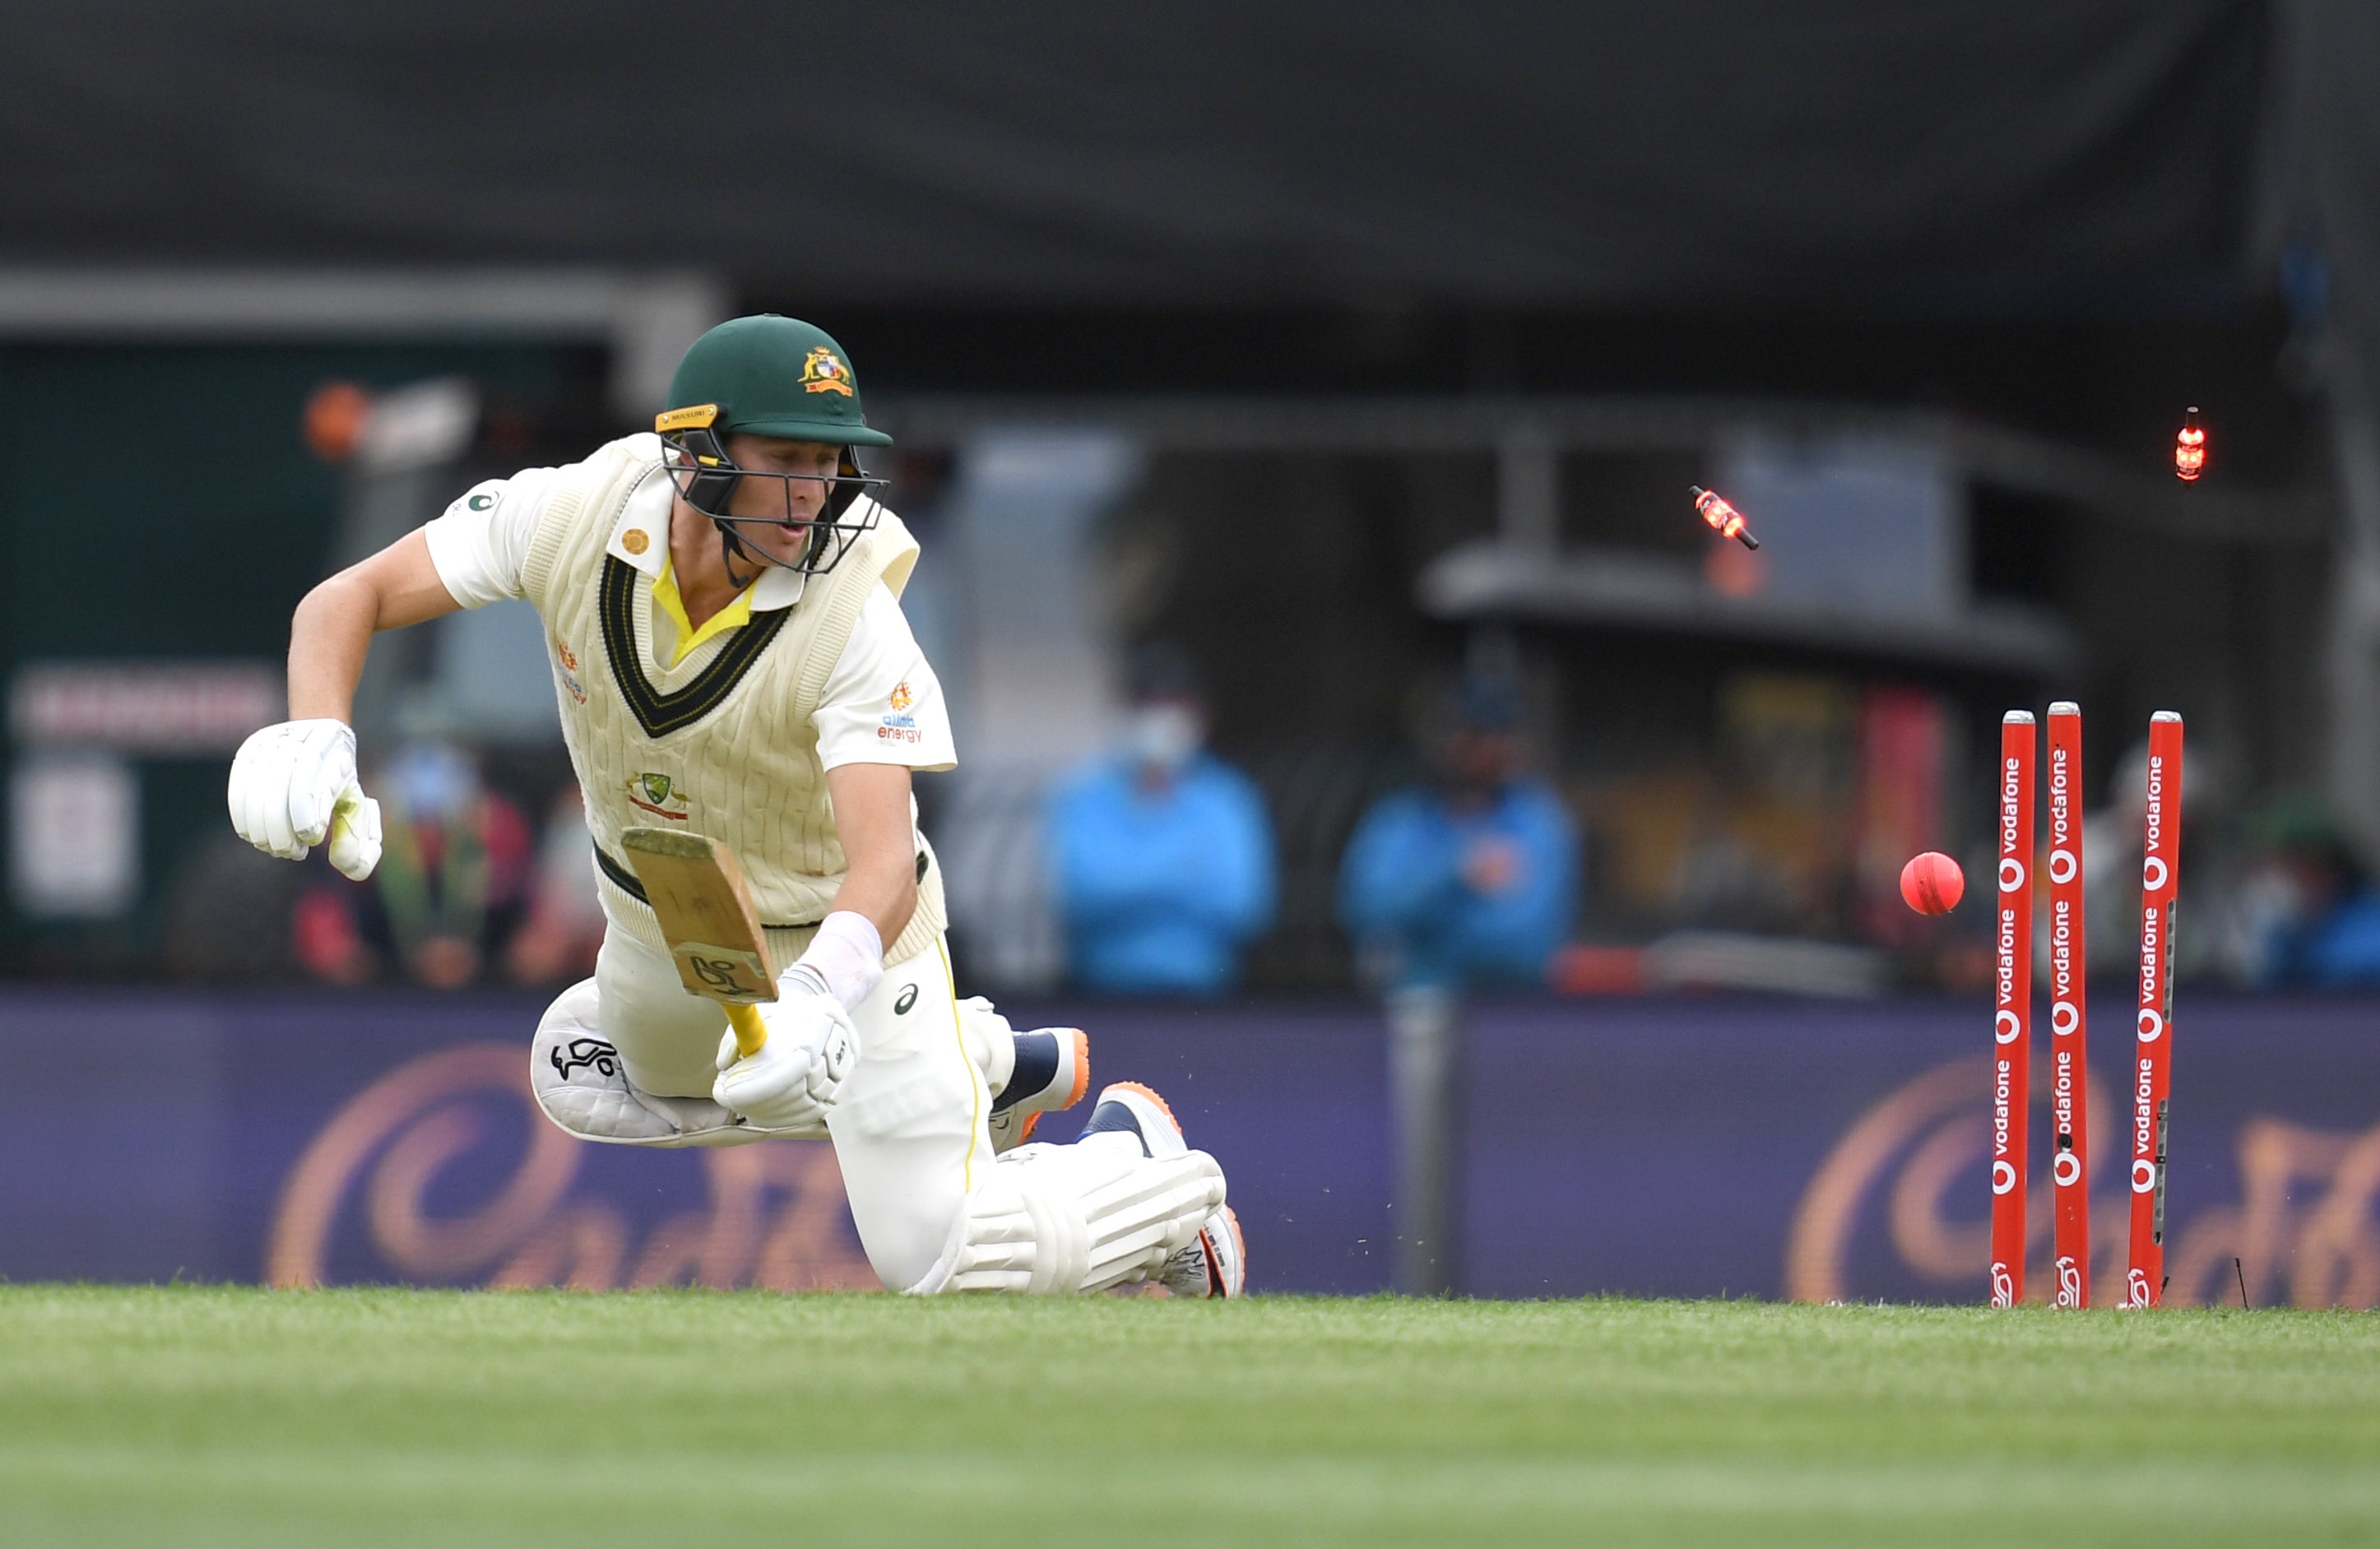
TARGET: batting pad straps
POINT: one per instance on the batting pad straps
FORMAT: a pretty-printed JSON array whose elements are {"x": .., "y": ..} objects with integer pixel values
[
  {"x": 848, "y": 956},
  {"x": 1056, "y": 1220}
]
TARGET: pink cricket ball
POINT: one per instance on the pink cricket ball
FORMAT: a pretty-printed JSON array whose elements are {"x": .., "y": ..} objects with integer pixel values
[{"x": 1932, "y": 883}]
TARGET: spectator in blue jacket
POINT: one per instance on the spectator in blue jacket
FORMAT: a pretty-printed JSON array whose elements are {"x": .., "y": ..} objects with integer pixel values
[
  {"x": 1470, "y": 882},
  {"x": 1160, "y": 854}
]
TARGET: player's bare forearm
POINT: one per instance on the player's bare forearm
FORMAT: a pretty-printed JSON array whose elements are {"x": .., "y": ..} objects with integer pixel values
[
  {"x": 333, "y": 625},
  {"x": 880, "y": 844}
]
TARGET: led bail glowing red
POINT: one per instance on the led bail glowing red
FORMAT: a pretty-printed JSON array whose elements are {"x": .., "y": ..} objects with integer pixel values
[
  {"x": 2190, "y": 448},
  {"x": 1724, "y": 519}
]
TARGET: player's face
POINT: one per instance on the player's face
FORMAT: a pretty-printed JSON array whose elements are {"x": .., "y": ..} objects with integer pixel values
[{"x": 781, "y": 505}]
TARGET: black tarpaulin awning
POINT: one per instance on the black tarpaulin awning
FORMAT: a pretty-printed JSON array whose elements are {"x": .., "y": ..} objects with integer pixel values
[{"x": 1602, "y": 152}]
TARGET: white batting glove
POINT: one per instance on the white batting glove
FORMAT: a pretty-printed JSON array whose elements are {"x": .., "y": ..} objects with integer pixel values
[
  {"x": 294, "y": 785},
  {"x": 812, "y": 1048}
]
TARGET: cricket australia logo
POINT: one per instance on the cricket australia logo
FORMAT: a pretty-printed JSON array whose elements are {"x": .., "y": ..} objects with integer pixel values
[
  {"x": 823, "y": 372},
  {"x": 658, "y": 794}
]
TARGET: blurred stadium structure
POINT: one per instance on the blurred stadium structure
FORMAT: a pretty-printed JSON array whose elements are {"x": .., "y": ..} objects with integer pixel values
[{"x": 1342, "y": 343}]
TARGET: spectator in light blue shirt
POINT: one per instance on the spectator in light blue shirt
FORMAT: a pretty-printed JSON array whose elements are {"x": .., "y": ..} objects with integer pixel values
[
  {"x": 1160, "y": 854},
  {"x": 1472, "y": 881}
]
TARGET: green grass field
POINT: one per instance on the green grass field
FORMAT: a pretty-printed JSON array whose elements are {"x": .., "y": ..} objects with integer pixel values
[{"x": 203, "y": 1415}]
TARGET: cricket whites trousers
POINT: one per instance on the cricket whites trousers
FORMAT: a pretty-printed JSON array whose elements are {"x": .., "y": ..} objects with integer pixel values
[{"x": 908, "y": 1126}]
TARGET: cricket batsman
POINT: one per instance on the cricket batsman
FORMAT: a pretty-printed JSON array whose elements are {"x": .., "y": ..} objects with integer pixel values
[{"x": 722, "y": 609}]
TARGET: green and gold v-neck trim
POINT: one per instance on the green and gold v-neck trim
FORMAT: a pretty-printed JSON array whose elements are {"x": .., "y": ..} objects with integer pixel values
[{"x": 658, "y": 712}]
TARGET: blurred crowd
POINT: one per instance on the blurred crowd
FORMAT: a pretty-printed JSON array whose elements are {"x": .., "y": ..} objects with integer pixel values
[
  {"x": 467, "y": 890},
  {"x": 1162, "y": 855},
  {"x": 471, "y": 890},
  {"x": 1162, "y": 870},
  {"x": 1476, "y": 873},
  {"x": 2276, "y": 895}
]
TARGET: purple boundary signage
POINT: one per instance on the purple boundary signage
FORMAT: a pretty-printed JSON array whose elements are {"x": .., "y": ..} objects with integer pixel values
[{"x": 1676, "y": 1147}]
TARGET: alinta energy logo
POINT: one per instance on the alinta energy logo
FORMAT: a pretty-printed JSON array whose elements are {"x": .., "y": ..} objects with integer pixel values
[{"x": 566, "y": 667}]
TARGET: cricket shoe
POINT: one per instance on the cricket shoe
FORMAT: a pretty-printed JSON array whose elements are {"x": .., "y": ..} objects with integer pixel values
[
  {"x": 1214, "y": 1263},
  {"x": 1052, "y": 1070}
]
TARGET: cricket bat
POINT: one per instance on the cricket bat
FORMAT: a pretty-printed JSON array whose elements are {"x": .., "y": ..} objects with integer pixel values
[{"x": 697, "y": 892}]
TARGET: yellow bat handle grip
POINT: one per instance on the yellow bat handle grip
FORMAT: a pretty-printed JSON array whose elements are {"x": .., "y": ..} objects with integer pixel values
[{"x": 750, "y": 1033}]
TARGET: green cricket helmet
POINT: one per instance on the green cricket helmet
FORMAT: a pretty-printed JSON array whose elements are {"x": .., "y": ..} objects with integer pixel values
[{"x": 780, "y": 377}]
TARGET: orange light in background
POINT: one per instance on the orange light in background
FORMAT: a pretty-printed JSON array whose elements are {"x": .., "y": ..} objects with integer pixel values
[
  {"x": 2190, "y": 448},
  {"x": 335, "y": 418},
  {"x": 1734, "y": 572},
  {"x": 1724, "y": 519},
  {"x": 1581, "y": 970}
]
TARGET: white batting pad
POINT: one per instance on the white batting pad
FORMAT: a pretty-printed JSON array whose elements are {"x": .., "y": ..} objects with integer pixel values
[{"x": 1054, "y": 1220}]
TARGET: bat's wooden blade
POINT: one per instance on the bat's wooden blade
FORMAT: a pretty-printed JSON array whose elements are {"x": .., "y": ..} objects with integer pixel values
[{"x": 705, "y": 913}]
